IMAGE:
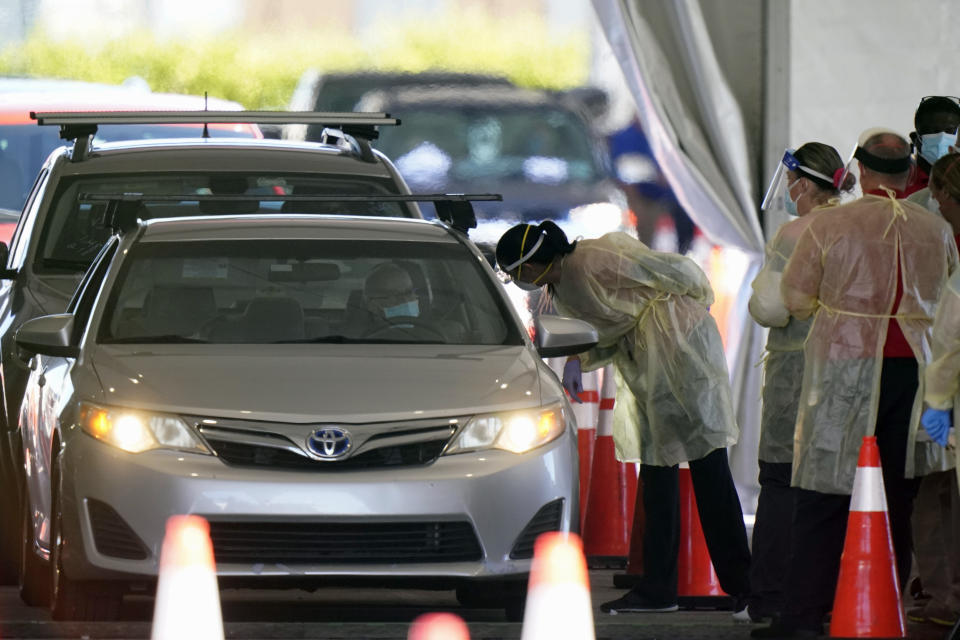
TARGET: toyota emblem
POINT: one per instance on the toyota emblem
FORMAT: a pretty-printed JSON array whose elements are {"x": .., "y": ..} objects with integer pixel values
[{"x": 329, "y": 443}]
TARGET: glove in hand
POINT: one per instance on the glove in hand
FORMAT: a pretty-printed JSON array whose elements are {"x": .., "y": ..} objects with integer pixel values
[{"x": 573, "y": 379}]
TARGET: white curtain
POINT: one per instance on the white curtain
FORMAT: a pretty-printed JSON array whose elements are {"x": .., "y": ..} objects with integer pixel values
[{"x": 696, "y": 130}]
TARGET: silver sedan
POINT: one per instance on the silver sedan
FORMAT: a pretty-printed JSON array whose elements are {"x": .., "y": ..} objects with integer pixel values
[{"x": 342, "y": 398}]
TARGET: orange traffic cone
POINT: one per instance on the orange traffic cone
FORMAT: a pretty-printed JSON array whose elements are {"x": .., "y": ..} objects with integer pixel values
[
  {"x": 587, "y": 414},
  {"x": 613, "y": 484},
  {"x": 438, "y": 626},
  {"x": 558, "y": 594},
  {"x": 868, "y": 602},
  {"x": 697, "y": 582},
  {"x": 188, "y": 600}
]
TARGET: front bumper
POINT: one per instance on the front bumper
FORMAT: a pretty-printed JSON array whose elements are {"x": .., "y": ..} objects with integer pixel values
[{"x": 493, "y": 492}]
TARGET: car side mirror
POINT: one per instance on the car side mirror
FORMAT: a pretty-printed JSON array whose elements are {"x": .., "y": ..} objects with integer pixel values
[
  {"x": 558, "y": 336},
  {"x": 48, "y": 335}
]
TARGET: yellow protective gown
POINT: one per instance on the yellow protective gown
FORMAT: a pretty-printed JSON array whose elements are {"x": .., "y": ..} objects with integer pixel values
[
  {"x": 943, "y": 373},
  {"x": 783, "y": 363},
  {"x": 650, "y": 310},
  {"x": 843, "y": 271}
]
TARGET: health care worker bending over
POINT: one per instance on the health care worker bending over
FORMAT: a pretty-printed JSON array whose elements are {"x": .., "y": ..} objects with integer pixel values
[
  {"x": 673, "y": 392},
  {"x": 806, "y": 183}
]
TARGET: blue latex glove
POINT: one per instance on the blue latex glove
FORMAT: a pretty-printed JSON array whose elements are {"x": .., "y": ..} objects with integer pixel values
[
  {"x": 573, "y": 379},
  {"x": 937, "y": 423}
]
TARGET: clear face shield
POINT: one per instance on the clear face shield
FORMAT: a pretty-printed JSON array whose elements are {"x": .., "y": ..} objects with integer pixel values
[{"x": 781, "y": 196}]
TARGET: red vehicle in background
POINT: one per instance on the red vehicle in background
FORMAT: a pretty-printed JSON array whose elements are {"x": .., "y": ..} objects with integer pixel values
[
  {"x": 24, "y": 146},
  {"x": 8, "y": 222}
]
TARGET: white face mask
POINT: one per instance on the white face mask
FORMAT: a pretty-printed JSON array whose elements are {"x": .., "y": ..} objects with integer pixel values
[
  {"x": 933, "y": 205},
  {"x": 409, "y": 309}
]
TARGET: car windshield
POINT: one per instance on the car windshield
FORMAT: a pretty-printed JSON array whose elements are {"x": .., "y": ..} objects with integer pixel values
[
  {"x": 74, "y": 231},
  {"x": 24, "y": 147},
  {"x": 439, "y": 144},
  {"x": 305, "y": 291}
]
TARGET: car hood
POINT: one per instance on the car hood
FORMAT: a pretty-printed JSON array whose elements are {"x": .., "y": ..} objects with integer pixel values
[{"x": 317, "y": 383}]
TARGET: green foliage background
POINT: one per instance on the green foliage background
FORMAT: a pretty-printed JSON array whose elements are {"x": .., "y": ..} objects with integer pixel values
[{"x": 260, "y": 71}]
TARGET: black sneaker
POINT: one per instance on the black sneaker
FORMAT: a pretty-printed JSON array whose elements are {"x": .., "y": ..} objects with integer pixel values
[{"x": 633, "y": 602}]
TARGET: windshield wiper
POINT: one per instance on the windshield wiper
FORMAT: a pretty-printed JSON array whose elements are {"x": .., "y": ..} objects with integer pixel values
[
  {"x": 338, "y": 339},
  {"x": 169, "y": 338}
]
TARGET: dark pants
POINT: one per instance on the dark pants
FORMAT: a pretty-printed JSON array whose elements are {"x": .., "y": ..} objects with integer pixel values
[
  {"x": 771, "y": 538},
  {"x": 720, "y": 516},
  {"x": 820, "y": 519}
]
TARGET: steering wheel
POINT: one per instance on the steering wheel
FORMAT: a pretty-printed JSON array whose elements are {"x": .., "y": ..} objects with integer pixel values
[{"x": 396, "y": 324}]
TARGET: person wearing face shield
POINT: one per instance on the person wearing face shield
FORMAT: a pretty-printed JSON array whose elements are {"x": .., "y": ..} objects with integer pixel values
[
  {"x": 809, "y": 179},
  {"x": 869, "y": 273},
  {"x": 673, "y": 400},
  {"x": 935, "y": 122},
  {"x": 936, "y": 517}
]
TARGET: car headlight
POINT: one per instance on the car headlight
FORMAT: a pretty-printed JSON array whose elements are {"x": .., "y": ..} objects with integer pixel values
[
  {"x": 514, "y": 431},
  {"x": 137, "y": 431}
]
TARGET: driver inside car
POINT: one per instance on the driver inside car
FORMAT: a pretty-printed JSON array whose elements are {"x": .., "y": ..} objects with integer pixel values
[{"x": 389, "y": 295}]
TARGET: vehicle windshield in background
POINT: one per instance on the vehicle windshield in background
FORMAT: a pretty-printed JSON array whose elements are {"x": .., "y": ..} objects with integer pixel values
[
  {"x": 24, "y": 147},
  {"x": 75, "y": 231},
  {"x": 305, "y": 291},
  {"x": 439, "y": 145}
]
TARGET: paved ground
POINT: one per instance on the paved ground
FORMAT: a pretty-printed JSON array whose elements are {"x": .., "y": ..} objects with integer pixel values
[{"x": 355, "y": 614}]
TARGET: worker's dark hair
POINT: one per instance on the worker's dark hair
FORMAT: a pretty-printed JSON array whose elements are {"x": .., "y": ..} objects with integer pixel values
[
  {"x": 926, "y": 116},
  {"x": 824, "y": 159},
  {"x": 945, "y": 175},
  {"x": 518, "y": 240}
]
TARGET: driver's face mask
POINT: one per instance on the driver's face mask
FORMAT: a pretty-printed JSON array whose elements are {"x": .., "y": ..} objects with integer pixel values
[{"x": 409, "y": 309}]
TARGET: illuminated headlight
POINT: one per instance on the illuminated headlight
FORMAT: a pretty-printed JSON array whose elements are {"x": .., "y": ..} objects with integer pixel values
[
  {"x": 137, "y": 431},
  {"x": 515, "y": 431},
  {"x": 594, "y": 220}
]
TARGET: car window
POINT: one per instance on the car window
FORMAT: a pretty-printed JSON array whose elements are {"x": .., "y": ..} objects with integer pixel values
[
  {"x": 442, "y": 143},
  {"x": 82, "y": 303},
  {"x": 74, "y": 231},
  {"x": 24, "y": 147},
  {"x": 21, "y": 237},
  {"x": 270, "y": 291}
]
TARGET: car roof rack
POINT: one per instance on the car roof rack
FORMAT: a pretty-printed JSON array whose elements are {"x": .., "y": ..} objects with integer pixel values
[
  {"x": 454, "y": 209},
  {"x": 80, "y": 126}
]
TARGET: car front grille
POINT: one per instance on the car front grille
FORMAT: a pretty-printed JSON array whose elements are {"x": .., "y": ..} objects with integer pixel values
[
  {"x": 247, "y": 455},
  {"x": 373, "y": 446},
  {"x": 112, "y": 535},
  {"x": 344, "y": 543},
  {"x": 548, "y": 518}
]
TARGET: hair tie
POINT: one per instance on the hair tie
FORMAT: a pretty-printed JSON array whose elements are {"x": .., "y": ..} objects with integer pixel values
[{"x": 838, "y": 177}]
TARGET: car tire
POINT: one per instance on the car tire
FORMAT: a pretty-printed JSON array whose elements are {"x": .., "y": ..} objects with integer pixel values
[
  {"x": 75, "y": 599},
  {"x": 9, "y": 539},
  {"x": 34, "y": 578},
  {"x": 9, "y": 523}
]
